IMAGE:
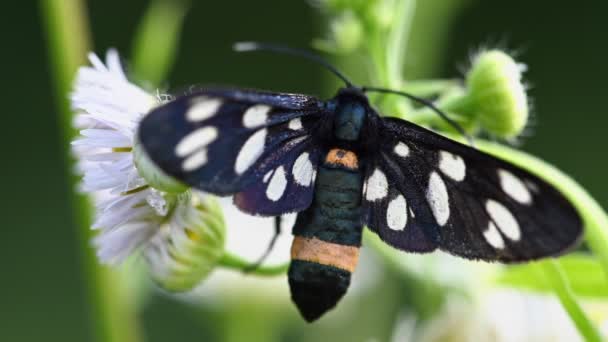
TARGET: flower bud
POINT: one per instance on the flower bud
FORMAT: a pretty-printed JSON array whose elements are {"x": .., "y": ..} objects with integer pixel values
[
  {"x": 496, "y": 97},
  {"x": 153, "y": 175},
  {"x": 347, "y": 32},
  {"x": 188, "y": 246},
  {"x": 381, "y": 13}
]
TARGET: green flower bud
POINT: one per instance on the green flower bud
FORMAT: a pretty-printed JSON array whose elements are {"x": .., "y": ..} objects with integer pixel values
[
  {"x": 188, "y": 246},
  {"x": 381, "y": 13},
  {"x": 496, "y": 97},
  {"x": 347, "y": 32},
  {"x": 154, "y": 176}
]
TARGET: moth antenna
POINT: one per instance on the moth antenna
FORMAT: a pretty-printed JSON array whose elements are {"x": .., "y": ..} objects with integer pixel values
[
  {"x": 428, "y": 104},
  {"x": 254, "y": 46}
]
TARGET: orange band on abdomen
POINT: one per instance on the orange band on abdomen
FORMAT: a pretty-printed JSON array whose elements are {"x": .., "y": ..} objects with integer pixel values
[
  {"x": 348, "y": 159},
  {"x": 325, "y": 253}
]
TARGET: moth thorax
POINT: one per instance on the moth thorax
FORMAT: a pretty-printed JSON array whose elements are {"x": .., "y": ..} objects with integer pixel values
[{"x": 349, "y": 120}]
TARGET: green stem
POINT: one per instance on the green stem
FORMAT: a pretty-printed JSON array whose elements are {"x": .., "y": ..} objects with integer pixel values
[
  {"x": 556, "y": 278},
  {"x": 426, "y": 88},
  {"x": 397, "y": 42},
  {"x": 156, "y": 40},
  {"x": 235, "y": 262},
  {"x": 113, "y": 319}
]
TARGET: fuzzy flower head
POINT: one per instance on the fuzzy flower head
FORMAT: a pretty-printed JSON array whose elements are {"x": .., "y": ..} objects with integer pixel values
[
  {"x": 496, "y": 93},
  {"x": 132, "y": 214}
]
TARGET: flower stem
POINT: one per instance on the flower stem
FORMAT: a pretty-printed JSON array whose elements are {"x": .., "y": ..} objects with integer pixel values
[
  {"x": 156, "y": 40},
  {"x": 556, "y": 278},
  {"x": 235, "y": 262},
  {"x": 66, "y": 23},
  {"x": 397, "y": 42}
]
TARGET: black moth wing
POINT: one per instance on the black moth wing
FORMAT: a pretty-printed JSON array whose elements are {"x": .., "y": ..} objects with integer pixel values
[
  {"x": 227, "y": 141},
  {"x": 424, "y": 191}
]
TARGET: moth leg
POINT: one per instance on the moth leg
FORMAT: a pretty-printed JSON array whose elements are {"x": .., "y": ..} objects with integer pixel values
[{"x": 277, "y": 232}]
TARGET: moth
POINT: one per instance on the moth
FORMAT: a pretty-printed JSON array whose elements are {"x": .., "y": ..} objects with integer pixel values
[{"x": 341, "y": 166}]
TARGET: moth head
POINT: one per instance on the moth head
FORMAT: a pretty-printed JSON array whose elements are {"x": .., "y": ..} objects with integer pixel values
[{"x": 351, "y": 112}]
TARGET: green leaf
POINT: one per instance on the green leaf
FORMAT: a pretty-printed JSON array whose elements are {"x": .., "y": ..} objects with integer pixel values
[{"x": 582, "y": 271}]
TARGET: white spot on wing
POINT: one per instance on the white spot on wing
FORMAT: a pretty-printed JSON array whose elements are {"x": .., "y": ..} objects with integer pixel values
[
  {"x": 295, "y": 124},
  {"x": 401, "y": 150},
  {"x": 377, "y": 186},
  {"x": 396, "y": 213},
  {"x": 295, "y": 141},
  {"x": 437, "y": 196},
  {"x": 532, "y": 186},
  {"x": 267, "y": 176},
  {"x": 250, "y": 152},
  {"x": 202, "y": 108},
  {"x": 493, "y": 237},
  {"x": 277, "y": 185},
  {"x": 514, "y": 187},
  {"x": 452, "y": 166},
  {"x": 195, "y": 160},
  {"x": 302, "y": 170},
  {"x": 196, "y": 140},
  {"x": 256, "y": 116},
  {"x": 503, "y": 218}
]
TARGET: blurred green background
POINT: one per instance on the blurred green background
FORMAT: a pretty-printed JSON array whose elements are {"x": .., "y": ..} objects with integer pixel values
[{"x": 42, "y": 295}]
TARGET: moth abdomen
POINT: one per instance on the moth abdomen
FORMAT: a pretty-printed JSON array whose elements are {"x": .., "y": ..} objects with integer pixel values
[
  {"x": 319, "y": 274},
  {"x": 325, "y": 250}
]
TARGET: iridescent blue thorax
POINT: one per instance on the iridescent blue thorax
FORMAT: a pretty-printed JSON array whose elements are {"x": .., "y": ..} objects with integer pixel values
[{"x": 351, "y": 112}]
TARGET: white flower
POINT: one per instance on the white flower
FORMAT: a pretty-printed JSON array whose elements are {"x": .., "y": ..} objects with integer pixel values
[
  {"x": 180, "y": 248},
  {"x": 128, "y": 212}
]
